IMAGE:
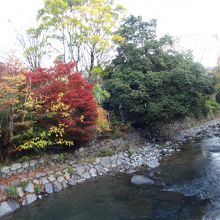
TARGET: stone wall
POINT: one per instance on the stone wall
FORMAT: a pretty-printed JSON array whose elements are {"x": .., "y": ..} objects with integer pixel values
[
  {"x": 120, "y": 144},
  {"x": 73, "y": 172}
]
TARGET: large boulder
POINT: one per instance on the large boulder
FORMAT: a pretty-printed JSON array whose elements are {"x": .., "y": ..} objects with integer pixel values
[
  {"x": 29, "y": 188},
  {"x": 29, "y": 198},
  {"x": 57, "y": 187},
  {"x": 139, "y": 180},
  {"x": 8, "y": 207},
  {"x": 48, "y": 188}
]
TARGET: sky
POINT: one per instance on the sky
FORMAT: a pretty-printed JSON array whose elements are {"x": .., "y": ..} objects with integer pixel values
[{"x": 193, "y": 23}]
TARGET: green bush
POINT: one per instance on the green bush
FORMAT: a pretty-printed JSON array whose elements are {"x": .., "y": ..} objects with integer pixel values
[
  {"x": 61, "y": 157},
  {"x": 152, "y": 83},
  {"x": 217, "y": 97},
  {"x": 105, "y": 153},
  {"x": 212, "y": 106},
  {"x": 12, "y": 192},
  {"x": 37, "y": 188}
]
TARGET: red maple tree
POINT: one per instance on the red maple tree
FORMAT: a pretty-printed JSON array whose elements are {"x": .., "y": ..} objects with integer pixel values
[{"x": 65, "y": 99}]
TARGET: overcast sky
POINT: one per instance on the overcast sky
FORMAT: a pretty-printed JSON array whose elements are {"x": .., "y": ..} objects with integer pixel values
[{"x": 196, "y": 23}]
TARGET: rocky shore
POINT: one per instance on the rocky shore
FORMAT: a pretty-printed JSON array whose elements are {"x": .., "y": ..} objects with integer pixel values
[{"x": 24, "y": 183}]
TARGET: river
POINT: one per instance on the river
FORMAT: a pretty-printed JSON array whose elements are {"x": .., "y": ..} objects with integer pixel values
[{"x": 187, "y": 186}]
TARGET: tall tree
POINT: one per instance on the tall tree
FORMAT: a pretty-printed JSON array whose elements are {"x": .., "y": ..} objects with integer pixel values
[
  {"x": 12, "y": 82},
  {"x": 84, "y": 29},
  {"x": 151, "y": 83},
  {"x": 35, "y": 45}
]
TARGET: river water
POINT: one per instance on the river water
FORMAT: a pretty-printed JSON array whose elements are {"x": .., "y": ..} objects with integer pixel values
[{"x": 187, "y": 186}]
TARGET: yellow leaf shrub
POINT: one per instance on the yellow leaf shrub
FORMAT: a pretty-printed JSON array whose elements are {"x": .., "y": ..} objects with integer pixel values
[{"x": 102, "y": 123}]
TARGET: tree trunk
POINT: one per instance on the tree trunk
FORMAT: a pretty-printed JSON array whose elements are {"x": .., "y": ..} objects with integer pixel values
[
  {"x": 4, "y": 146},
  {"x": 11, "y": 123},
  {"x": 92, "y": 58}
]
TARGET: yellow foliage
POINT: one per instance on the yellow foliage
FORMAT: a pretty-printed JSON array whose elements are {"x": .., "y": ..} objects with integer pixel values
[
  {"x": 46, "y": 138},
  {"x": 102, "y": 123},
  {"x": 82, "y": 118},
  {"x": 60, "y": 106},
  {"x": 10, "y": 88}
]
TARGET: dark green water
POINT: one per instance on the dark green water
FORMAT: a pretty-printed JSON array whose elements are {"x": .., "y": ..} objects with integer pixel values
[{"x": 187, "y": 187}]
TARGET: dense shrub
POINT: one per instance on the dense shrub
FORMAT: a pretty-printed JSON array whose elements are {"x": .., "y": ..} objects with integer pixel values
[
  {"x": 102, "y": 123},
  {"x": 12, "y": 93},
  {"x": 150, "y": 83},
  {"x": 212, "y": 105},
  {"x": 61, "y": 106},
  {"x": 217, "y": 97}
]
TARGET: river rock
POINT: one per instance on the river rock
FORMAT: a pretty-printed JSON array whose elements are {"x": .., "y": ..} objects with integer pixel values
[
  {"x": 80, "y": 170},
  {"x": 44, "y": 181},
  {"x": 20, "y": 192},
  {"x": 64, "y": 184},
  {"x": 33, "y": 163},
  {"x": 57, "y": 187},
  {"x": 15, "y": 166},
  {"x": 153, "y": 163},
  {"x": 51, "y": 178},
  {"x": 99, "y": 169},
  {"x": 93, "y": 172},
  {"x": 139, "y": 180},
  {"x": 105, "y": 162},
  {"x": 8, "y": 207},
  {"x": 48, "y": 188},
  {"x": 25, "y": 165},
  {"x": 29, "y": 188},
  {"x": 72, "y": 182},
  {"x": 5, "y": 169},
  {"x": 30, "y": 198},
  {"x": 86, "y": 175}
]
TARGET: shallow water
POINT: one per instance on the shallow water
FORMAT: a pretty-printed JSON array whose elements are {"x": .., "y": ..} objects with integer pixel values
[{"x": 187, "y": 187}]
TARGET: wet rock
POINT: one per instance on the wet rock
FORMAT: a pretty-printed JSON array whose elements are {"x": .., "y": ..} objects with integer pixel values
[
  {"x": 72, "y": 182},
  {"x": 99, "y": 169},
  {"x": 30, "y": 198},
  {"x": 8, "y": 207},
  {"x": 64, "y": 184},
  {"x": 57, "y": 187},
  {"x": 86, "y": 175},
  {"x": 139, "y": 180},
  {"x": 81, "y": 180},
  {"x": 93, "y": 172}
]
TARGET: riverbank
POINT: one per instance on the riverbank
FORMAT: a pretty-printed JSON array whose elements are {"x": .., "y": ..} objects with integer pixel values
[{"x": 132, "y": 153}]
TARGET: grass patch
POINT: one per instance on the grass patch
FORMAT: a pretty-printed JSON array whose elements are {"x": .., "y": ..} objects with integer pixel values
[{"x": 105, "y": 153}]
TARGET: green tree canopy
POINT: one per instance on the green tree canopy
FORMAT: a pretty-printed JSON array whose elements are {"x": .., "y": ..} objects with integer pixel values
[
  {"x": 149, "y": 82},
  {"x": 84, "y": 29}
]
